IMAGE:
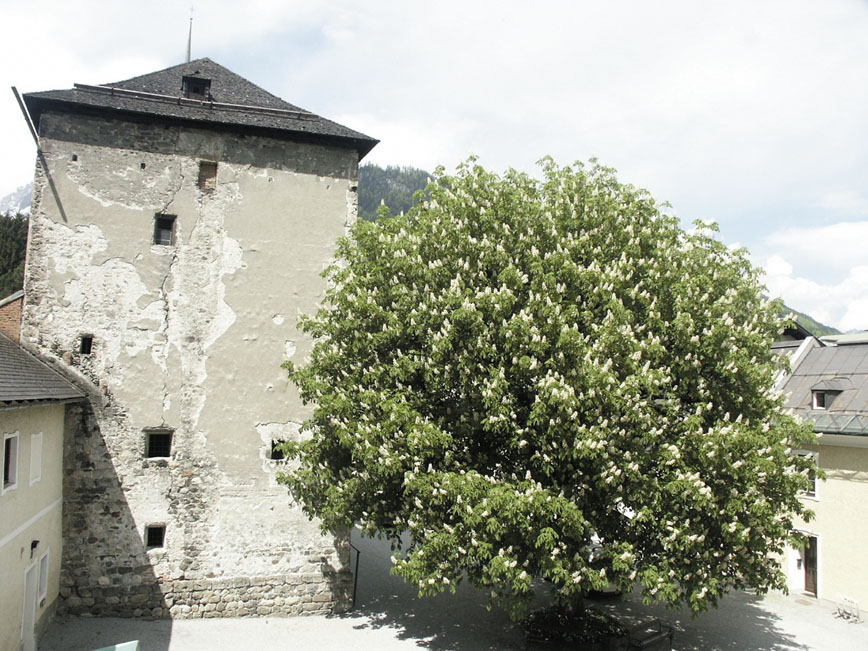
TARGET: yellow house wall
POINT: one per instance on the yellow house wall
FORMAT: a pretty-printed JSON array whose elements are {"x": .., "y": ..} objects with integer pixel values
[
  {"x": 840, "y": 524},
  {"x": 30, "y": 512}
]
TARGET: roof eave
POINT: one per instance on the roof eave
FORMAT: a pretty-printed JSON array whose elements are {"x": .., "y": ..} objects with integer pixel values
[{"x": 36, "y": 106}]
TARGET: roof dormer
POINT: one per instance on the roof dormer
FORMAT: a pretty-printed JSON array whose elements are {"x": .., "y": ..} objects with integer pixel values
[{"x": 196, "y": 88}]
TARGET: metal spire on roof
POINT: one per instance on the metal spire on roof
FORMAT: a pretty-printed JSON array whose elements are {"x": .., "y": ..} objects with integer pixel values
[{"x": 190, "y": 36}]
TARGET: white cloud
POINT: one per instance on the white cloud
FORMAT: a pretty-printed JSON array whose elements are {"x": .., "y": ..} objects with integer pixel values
[
  {"x": 822, "y": 250},
  {"x": 821, "y": 271}
]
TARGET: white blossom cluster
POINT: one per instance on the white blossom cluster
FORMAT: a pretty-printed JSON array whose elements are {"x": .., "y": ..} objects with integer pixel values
[{"x": 550, "y": 378}]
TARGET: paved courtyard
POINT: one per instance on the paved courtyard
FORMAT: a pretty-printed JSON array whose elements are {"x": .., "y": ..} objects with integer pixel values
[{"x": 389, "y": 616}]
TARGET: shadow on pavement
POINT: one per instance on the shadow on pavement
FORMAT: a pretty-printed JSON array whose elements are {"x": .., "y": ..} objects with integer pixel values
[
  {"x": 459, "y": 621},
  {"x": 85, "y": 633},
  {"x": 462, "y": 622},
  {"x": 741, "y": 622}
]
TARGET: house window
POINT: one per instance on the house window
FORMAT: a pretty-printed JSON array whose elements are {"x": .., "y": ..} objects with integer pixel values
[
  {"x": 35, "y": 458},
  {"x": 821, "y": 399},
  {"x": 812, "y": 476},
  {"x": 86, "y": 345},
  {"x": 158, "y": 443},
  {"x": 10, "y": 462},
  {"x": 164, "y": 230},
  {"x": 43, "y": 578},
  {"x": 207, "y": 175},
  {"x": 197, "y": 88},
  {"x": 155, "y": 536},
  {"x": 276, "y": 451}
]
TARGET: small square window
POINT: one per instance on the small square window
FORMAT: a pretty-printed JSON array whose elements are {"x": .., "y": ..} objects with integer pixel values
[
  {"x": 10, "y": 461},
  {"x": 197, "y": 88},
  {"x": 155, "y": 536},
  {"x": 158, "y": 443},
  {"x": 164, "y": 230},
  {"x": 86, "y": 345},
  {"x": 207, "y": 175},
  {"x": 276, "y": 451}
]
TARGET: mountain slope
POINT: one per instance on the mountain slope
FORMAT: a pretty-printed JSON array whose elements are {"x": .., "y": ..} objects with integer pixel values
[{"x": 17, "y": 202}]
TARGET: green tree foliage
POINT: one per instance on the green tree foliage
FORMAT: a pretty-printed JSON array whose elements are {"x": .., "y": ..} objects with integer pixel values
[
  {"x": 13, "y": 247},
  {"x": 393, "y": 187},
  {"x": 550, "y": 378}
]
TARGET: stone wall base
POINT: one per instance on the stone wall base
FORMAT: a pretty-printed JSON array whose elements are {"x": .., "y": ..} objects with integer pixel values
[{"x": 264, "y": 596}]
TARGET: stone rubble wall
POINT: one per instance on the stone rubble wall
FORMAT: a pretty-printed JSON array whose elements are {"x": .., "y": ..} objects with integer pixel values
[{"x": 285, "y": 595}]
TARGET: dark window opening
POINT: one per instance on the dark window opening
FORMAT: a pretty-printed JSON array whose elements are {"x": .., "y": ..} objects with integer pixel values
[
  {"x": 155, "y": 535},
  {"x": 197, "y": 88},
  {"x": 164, "y": 230},
  {"x": 10, "y": 461},
  {"x": 143, "y": 165},
  {"x": 276, "y": 451},
  {"x": 74, "y": 157},
  {"x": 207, "y": 175},
  {"x": 86, "y": 345},
  {"x": 159, "y": 443}
]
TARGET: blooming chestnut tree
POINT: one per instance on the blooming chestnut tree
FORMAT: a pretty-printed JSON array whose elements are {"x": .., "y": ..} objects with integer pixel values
[{"x": 549, "y": 378}]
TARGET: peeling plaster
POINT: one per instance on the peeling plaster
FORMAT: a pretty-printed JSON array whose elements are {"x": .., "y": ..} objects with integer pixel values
[{"x": 289, "y": 348}]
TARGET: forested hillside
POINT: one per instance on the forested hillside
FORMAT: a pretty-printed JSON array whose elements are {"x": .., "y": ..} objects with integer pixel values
[
  {"x": 13, "y": 245},
  {"x": 811, "y": 325},
  {"x": 393, "y": 185}
]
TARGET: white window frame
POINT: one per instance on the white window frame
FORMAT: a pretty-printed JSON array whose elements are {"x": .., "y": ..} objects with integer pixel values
[
  {"x": 35, "y": 458},
  {"x": 42, "y": 585},
  {"x": 16, "y": 449},
  {"x": 815, "y": 404}
]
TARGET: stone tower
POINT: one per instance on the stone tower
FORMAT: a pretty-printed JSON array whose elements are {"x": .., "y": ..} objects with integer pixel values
[{"x": 179, "y": 226}]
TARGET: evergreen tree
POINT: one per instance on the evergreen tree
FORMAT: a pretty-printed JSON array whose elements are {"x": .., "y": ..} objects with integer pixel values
[
  {"x": 13, "y": 247},
  {"x": 393, "y": 186}
]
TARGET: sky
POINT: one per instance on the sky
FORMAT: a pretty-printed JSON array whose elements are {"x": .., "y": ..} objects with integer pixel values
[{"x": 752, "y": 114}]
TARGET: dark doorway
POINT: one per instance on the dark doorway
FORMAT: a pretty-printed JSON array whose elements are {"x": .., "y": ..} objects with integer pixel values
[{"x": 809, "y": 556}]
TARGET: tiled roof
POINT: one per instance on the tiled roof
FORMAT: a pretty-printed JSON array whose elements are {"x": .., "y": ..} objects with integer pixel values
[
  {"x": 842, "y": 370},
  {"x": 12, "y": 297},
  {"x": 24, "y": 379},
  {"x": 234, "y": 103}
]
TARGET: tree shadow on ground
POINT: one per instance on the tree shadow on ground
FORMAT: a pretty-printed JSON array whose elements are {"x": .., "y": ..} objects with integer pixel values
[
  {"x": 462, "y": 622},
  {"x": 459, "y": 622},
  {"x": 741, "y": 622}
]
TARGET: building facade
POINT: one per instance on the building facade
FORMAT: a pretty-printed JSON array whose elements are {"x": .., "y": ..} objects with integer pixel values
[
  {"x": 828, "y": 386},
  {"x": 179, "y": 225},
  {"x": 33, "y": 403}
]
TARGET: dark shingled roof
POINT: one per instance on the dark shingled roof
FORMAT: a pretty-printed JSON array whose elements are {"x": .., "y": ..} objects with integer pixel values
[
  {"x": 24, "y": 380},
  {"x": 841, "y": 370},
  {"x": 234, "y": 103}
]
